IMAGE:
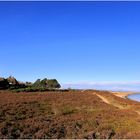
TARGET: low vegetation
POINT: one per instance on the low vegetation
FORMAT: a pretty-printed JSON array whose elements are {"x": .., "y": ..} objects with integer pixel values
[{"x": 71, "y": 114}]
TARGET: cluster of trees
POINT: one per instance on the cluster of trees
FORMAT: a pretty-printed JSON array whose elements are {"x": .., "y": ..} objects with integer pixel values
[{"x": 39, "y": 85}]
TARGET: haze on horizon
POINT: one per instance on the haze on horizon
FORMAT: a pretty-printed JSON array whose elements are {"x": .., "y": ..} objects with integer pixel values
[{"x": 74, "y": 42}]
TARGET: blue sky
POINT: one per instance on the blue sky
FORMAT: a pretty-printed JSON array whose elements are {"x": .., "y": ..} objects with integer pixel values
[{"x": 74, "y": 42}]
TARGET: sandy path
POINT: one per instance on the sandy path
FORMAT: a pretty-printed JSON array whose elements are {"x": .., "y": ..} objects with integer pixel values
[
  {"x": 123, "y": 94},
  {"x": 105, "y": 100}
]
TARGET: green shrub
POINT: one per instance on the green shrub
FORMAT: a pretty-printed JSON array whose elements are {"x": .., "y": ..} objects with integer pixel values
[{"x": 68, "y": 110}]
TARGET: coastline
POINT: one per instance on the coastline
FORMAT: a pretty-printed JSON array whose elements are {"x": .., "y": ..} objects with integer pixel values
[{"x": 123, "y": 94}]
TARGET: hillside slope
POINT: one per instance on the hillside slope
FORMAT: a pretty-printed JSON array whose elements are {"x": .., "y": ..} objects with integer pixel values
[{"x": 72, "y": 114}]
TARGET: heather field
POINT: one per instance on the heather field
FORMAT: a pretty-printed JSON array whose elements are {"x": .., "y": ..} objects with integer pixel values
[
  {"x": 67, "y": 68},
  {"x": 69, "y": 114}
]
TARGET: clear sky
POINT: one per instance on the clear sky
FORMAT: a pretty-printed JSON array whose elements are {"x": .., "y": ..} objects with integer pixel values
[{"x": 70, "y": 41}]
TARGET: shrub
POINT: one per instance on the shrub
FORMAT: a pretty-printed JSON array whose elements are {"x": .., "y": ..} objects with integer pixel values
[{"x": 68, "y": 110}]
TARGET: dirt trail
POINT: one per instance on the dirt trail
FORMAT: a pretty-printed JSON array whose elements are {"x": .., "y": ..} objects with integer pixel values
[
  {"x": 138, "y": 112},
  {"x": 105, "y": 100}
]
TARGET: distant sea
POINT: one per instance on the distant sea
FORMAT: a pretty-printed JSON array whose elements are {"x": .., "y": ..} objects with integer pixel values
[
  {"x": 135, "y": 97},
  {"x": 133, "y": 87}
]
